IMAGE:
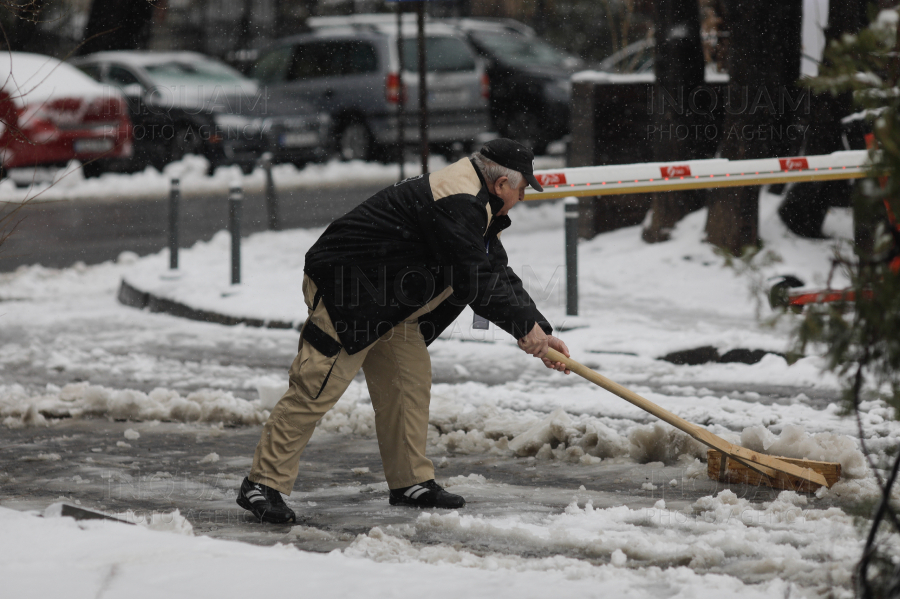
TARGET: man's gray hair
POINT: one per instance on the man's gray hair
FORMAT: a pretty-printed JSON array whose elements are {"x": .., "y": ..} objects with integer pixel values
[{"x": 493, "y": 171}]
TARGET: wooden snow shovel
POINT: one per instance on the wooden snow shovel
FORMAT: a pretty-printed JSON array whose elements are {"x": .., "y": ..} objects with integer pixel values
[{"x": 727, "y": 462}]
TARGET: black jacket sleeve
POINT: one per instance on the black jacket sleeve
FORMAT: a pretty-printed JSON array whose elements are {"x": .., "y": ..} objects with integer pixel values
[{"x": 500, "y": 264}]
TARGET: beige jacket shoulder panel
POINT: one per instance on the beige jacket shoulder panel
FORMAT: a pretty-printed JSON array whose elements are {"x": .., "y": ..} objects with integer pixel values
[{"x": 459, "y": 177}]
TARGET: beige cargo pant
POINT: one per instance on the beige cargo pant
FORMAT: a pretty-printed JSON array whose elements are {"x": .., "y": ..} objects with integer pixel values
[{"x": 397, "y": 368}]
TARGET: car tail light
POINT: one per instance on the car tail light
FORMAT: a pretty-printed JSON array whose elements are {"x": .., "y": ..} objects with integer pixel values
[
  {"x": 394, "y": 92},
  {"x": 485, "y": 86},
  {"x": 64, "y": 113}
]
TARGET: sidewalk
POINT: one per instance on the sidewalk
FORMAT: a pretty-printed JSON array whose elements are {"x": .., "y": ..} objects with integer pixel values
[{"x": 269, "y": 294}]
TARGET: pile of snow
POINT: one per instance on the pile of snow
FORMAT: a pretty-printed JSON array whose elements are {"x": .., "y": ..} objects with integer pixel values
[
  {"x": 78, "y": 400},
  {"x": 795, "y": 442},
  {"x": 162, "y": 521}
]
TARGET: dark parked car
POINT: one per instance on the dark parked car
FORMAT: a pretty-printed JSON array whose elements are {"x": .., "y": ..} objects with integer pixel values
[
  {"x": 187, "y": 103},
  {"x": 637, "y": 57},
  {"x": 530, "y": 80},
  {"x": 51, "y": 113},
  {"x": 348, "y": 67}
]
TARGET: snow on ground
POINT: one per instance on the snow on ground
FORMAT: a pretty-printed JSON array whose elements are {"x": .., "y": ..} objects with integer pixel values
[
  {"x": 637, "y": 301},
  {"x": 94, "y": 558},
  {"x": 70, "y": 184}
]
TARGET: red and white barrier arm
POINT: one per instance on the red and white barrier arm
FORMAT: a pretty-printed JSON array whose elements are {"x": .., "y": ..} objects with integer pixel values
[{"x": 696, "y": 174}]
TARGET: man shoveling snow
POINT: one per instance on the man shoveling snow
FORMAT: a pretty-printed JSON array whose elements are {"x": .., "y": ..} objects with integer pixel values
[{"x": 380, "y": 284}]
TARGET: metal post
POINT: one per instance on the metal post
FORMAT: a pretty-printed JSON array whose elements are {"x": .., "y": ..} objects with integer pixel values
[
  {"x": 235, "y": 199},
  {"x": 271, "y": 194},
  {"x": 401, "y": 100},
  {"x": 174, "y": 197},
  {"x": 571, "y": 205},
  {"x": 423, "y": 88}
]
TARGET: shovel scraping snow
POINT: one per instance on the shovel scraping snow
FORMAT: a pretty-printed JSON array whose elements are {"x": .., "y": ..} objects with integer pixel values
[{"x": 796, "y": 474}]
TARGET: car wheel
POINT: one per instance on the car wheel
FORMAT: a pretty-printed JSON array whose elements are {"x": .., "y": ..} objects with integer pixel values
[
  {"x": 93, "y": 168},
  {"x": 524, "y": 127},
  {"x": 184, "y": 141},
  {"x": 355, "y": 142},
  {"x": 155, "y": 155}
]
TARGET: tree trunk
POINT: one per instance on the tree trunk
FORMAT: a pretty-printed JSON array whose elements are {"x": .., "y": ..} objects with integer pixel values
[
  {"x": 540, "y": 17},
  {"x": 679, "y": 71},
  {"x": 806, "y": 204},
  {"x": 245, "y": 26},
  {"x": 763, "y": 64},
  {"x": 117, "y": 25}
]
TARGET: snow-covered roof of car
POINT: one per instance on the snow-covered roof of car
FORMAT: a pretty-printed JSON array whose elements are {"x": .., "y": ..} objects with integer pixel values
[
  {"x": 491, "y": 24},
  {"x": 144, "y": 57},
  {"x": 385, "y": 24},
  {"x": 32, "y": 78}
]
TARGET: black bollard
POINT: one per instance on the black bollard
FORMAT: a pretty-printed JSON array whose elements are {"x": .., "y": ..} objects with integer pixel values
[
  {"x": 235, "y": 199},
  {"x": 571, "y": 205},
  {"x": 174, "y": 198},
  {"x": 271, "y": 194}
]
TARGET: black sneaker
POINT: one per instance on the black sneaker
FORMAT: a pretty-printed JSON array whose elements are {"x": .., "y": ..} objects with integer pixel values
[
  {"x": 265, "y": 502},
  {"x": 427, "y": 494}
]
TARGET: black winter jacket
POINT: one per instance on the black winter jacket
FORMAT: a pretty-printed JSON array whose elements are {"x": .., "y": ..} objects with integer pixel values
[{"x": 378, "y": 264}]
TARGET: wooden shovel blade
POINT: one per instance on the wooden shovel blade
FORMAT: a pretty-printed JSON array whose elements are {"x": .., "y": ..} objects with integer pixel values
[{"x": 763, "y": 463}]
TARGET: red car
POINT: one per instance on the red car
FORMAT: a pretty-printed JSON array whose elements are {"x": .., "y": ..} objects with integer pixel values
[{"x": 50, "y": 113}]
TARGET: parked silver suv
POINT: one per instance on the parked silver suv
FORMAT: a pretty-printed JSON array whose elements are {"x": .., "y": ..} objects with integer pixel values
[{"x": 348, "y": 68}]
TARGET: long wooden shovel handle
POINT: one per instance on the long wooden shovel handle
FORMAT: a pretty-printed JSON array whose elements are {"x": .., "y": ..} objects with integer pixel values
[{"x": 758, "y": 461}]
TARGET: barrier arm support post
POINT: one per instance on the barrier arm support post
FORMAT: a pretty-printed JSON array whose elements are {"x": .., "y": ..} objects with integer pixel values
[{"x": 571, "y": 205}]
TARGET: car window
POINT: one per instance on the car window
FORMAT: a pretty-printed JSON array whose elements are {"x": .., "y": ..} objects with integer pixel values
[
  {"x": 177, "y": 72},
  {"x": 332, "y": 58},
  {"x": 639, "y": 59},
  {"x": 517, "y": 49},
  {"x": 442, "y": 55},
  {"x": 359, "y": 58},
  {"x": 121, "y": 77},
  {"x": 315, "y": 59},
  {"x": 273, "y": 67}
]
